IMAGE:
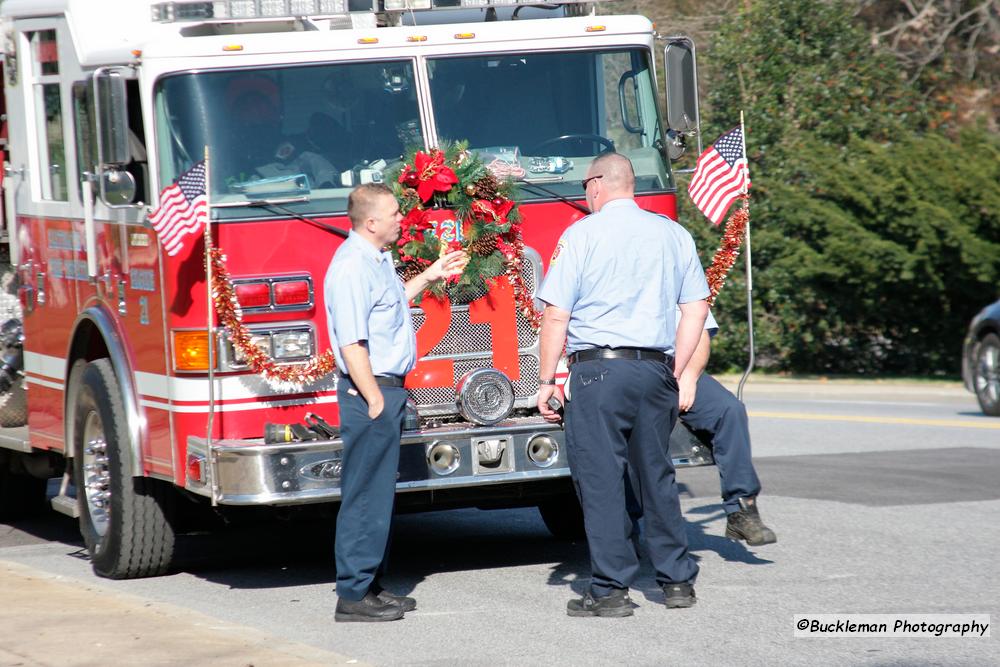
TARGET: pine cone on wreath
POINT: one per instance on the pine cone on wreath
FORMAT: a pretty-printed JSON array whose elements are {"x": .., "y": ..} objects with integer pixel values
[
  {"x": 487, "y": 187},
  {"x": 484, "y": 245}
]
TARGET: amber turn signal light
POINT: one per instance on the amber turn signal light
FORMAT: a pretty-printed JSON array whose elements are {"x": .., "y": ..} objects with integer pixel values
[{"x": 191, "y": 350}]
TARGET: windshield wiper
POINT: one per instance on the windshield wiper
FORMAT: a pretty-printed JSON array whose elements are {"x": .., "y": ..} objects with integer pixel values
[
  {"x": 262, "y": 202},
  {"x": 556, "y": 195},
  {"x": 276, "y": 206}
]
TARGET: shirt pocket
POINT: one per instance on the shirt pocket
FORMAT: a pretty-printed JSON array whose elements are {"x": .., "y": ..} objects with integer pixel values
[{"x": 389, "y": 307}]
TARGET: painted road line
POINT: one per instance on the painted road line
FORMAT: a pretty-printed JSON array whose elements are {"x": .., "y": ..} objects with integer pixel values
[{"x": 807, "y": 416}]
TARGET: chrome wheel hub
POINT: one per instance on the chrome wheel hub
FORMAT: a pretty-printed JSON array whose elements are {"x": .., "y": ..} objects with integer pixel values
[
  {"x": 988, "y": 374},
  {"x": 96, "y": 481}
]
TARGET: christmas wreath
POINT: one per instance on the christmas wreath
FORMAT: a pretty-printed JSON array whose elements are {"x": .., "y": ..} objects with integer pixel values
[{"x": 451, "y": 200}]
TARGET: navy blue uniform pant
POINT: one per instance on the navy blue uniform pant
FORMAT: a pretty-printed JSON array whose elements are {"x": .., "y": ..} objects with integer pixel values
[
  {"x": 717, "y": 412},
  {"x": 619, "y": 415},
  {"x": 368, "y": 486}
]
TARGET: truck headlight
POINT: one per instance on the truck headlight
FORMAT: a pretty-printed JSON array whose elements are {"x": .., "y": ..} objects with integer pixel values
[
  {"x": 261, "y": 341},
  {"x": 291, "y": 344}
]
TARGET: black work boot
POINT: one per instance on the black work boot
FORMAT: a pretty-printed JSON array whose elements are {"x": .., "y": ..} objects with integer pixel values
[
  {"x": 407, "y": 603},
  {"x": 615, "y": 604},
  {"x": 678, "y": 596},
  {"x": 368, "y": 609},
  {"x": 745, "y": 524}
]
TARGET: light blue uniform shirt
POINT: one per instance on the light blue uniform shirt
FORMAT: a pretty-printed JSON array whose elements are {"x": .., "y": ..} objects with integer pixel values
[
  {"x": 365, "y": 300},
  {"x": 620, "y": 273},
  {"x": 711, "y": 326}
]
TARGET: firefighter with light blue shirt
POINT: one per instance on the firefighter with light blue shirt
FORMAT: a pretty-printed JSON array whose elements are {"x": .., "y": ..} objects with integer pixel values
[
  {"x": 707, "y": 407},
  {"x": 372, "y": 337},
  {"x": 614, "y": 284}
]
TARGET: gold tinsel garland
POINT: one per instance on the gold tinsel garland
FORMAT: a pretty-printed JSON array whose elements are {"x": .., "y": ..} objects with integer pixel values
[
  {"x": 729, "y": 249},
  {"x": 230, "y": 315},
  {"x": 513, "y": 252}
]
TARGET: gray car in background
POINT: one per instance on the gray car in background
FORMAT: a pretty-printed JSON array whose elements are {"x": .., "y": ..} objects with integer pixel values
[{"x": 981, "y": 359}]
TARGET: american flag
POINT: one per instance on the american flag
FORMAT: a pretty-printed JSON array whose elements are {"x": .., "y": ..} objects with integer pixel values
[
  {"x": 721, "y": 176},
  {"x": 183, "y": 210}
]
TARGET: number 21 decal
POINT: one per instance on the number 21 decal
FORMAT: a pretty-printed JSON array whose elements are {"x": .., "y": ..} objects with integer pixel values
[{"x": 496, "y": 309}]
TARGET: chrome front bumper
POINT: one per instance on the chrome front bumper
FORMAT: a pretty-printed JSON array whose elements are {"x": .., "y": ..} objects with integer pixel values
[{"x": 245, "y": 472}]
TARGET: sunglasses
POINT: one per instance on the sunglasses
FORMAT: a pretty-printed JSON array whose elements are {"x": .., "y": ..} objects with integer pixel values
[{"x": 585, "y": 182}]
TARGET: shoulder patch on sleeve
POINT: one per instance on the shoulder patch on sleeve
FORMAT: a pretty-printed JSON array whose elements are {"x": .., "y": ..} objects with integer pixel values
[{"x": 555, "y": 253}]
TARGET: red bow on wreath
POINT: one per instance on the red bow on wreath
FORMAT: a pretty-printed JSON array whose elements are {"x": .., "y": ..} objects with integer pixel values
[
  {"x": 493, "y": 211},
  {"x": 429, "y": 174}
]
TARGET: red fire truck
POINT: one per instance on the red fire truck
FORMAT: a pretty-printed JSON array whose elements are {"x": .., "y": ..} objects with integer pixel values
[{"x": 115, "y": 384}]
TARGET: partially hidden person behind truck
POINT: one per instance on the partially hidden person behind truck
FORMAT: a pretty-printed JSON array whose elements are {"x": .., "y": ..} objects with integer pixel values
[
  {"x": 372, "y": 337},
  {"x": 707, "y": 407},
  {"x": 613, "y": 286}
]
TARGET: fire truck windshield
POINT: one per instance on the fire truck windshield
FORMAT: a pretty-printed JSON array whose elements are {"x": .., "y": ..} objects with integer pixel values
[
  {"x": 543, "y": 116},
  {"x": 305, "y": 134}
]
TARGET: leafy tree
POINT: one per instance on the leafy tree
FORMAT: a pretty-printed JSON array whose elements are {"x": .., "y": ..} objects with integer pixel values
[
  {"x": 873, "y": 243},
  {"x": 873, "y": 259},
  {"x": 803, "y": 66}
]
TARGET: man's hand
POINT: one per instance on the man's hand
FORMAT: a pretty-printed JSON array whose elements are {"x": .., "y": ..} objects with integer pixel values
[
  {"x": 451, "y": 264},
  {"x": 687, "y": 388},
  {"x": 376, "y": 406},
  {"x": 446, "y": 266},
  {"x": 545, "y": 392}
]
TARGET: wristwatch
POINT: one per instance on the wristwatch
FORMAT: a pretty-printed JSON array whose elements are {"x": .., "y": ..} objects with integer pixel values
[{"x": 549, "y": 381}]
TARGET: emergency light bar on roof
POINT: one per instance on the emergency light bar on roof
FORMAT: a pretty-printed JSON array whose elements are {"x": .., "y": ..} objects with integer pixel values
[{"x": 229, "y": 10}]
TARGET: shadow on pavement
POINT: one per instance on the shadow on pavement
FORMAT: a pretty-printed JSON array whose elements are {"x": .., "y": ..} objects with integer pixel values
[
  {"x": 422, "y": 545},
  {"x": 271, "y": 553}
]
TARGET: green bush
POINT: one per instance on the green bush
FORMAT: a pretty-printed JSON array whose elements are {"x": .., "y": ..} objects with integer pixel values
[
  {"x": 873, "y": 243},
  {"x": 873, "y": 258}
]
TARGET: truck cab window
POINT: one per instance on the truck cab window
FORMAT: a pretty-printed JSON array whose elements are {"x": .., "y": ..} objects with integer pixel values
[
  {"x": 570, "y": 107},
  {"x": 85, "y": 125},
  {"x": 311, "y": 132},
  {"x": 138, "y": 164},
  {"x": 86, "y": 129},
  {"x": 47, "y": 98}
]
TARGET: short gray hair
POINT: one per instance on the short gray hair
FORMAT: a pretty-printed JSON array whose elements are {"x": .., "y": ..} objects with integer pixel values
[{"x": 362, "y": 200}]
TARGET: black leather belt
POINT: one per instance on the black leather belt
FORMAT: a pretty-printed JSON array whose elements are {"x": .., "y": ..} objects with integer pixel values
[
  {"x": 634, "y": 353},
  {"x": 383, "y": 380}
]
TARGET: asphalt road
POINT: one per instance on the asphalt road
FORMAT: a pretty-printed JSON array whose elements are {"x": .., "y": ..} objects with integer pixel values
[{"x": 885, "y": 498}]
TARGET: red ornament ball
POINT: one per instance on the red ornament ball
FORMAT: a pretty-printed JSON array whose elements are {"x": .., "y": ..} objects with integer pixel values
[
  {"x": 498, "y": 202},
  {"x": 412, "y": 179}
]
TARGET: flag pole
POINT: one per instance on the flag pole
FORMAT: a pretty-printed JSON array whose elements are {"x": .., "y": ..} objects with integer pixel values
[
  {"x": 750, "y": 363},
  {"x": 210, "y": 308}
]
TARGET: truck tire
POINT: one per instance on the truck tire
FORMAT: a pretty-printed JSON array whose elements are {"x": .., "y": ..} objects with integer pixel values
[
  {"x": 563, "y": 517},
  {"x": 125, "y": 521},
  {"x": 986, "y": 378},
  {"x": 21, "y": 495}
]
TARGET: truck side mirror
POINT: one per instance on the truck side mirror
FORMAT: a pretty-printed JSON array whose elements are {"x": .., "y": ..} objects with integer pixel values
[
  {"x": 117, "y": 186},
  {"x": 112, "y": 118},
  {"x": 681, "y": 88}
]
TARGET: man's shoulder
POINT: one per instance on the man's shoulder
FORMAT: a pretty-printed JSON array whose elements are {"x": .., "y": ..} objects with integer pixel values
[{"x": 349, "y": 261}]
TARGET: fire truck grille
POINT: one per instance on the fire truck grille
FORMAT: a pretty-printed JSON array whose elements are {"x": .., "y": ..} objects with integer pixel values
[
  {"x": 464, "y": 337},
  {"x": 441, "y": 400},
  {"x": 473, "y": 344}
]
